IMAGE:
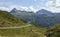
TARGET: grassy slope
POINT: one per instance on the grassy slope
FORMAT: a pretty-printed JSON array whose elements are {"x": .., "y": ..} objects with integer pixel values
[
  {"x": 54, "y": 31},
  {"x": 7, "y": 19},
  {"x": 32, "y": 31}
]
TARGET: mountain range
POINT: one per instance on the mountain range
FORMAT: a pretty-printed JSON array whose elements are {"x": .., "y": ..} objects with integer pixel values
[
  {"x": 27, "y": 24},
  {"x": 42, "y": 17}
]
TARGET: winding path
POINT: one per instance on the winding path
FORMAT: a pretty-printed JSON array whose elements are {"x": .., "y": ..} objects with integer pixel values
[{"x": 15, "y": 27}]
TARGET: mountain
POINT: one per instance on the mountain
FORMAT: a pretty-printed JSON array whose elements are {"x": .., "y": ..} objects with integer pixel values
[
  {"x": 7, "y": 19},
  {"x": 43, "y": 11},
  {"x": 27, "y": 29},
  {"x": 14, "y": 10},
  {"x": 41, "y": 18},
  {"x": 26, "y": 15}
]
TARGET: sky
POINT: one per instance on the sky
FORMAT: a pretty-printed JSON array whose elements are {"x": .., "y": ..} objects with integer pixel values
[{"x": 30, "y": 5}]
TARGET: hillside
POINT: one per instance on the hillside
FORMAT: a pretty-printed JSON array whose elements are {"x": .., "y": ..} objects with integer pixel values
[
  {"x": 11, "y": 26},
  {"x": 6, "y": 19},
  {"x": 30, "y": 31},
  {"x": 53, "y": 31}
]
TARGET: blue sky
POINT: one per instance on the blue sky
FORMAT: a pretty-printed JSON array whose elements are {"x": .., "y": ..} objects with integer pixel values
[{"x": 34, "y": 5}]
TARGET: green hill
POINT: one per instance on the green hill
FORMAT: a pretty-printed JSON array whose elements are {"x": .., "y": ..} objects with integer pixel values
[
  {"x": 11, "y": 26},
  {"x": 6, "y": 19},
  {"x": 53, "y": 31}
]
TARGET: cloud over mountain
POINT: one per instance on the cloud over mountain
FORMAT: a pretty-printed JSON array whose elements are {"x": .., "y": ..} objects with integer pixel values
[
  {"x": 53, "y": 5},
  {"x": 31, "y": 5}
]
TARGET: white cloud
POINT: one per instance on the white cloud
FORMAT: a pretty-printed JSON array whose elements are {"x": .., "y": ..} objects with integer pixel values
[
  {"x": 26, "y": 8},
  {"x": 53, "y": 6},
  {"x": 57, "y": 2},
  {"x": 32, "y": 8},
  {"x": 10, "y": 7},
  {"x": 49, "y": 3},
  {"x": 4, "y": 8}
]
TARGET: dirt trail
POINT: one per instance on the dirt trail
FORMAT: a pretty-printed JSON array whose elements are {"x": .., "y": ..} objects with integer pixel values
[{"x": 15, "y": 27}]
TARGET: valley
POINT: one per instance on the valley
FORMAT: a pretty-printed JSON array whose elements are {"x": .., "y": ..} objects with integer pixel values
[
  {"x": 29, "y": 18},
  {"x": 12, "y": 26},
  {"x": 18, "y": 28}
]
